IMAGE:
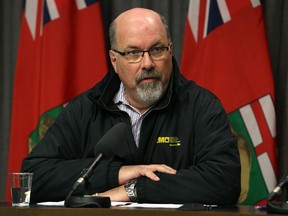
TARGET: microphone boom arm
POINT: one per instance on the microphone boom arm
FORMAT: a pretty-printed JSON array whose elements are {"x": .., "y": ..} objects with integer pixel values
[{"x": 86, "y": 173}]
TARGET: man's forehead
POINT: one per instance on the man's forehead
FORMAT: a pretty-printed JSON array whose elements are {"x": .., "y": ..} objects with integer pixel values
[{"x": 137, "y": 13}]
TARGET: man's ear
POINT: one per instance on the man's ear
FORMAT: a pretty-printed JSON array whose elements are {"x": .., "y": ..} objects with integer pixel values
[
  {"x": 171, "y": 47},
  {"x": 113, "y": 59}
]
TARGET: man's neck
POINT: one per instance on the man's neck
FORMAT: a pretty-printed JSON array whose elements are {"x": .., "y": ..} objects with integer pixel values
[
  {"x": 139, "y": 105},
  {"x": 131, "y": 100}
]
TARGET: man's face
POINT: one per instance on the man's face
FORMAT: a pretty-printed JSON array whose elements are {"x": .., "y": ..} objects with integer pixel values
[{"x": 147, "y": 80}]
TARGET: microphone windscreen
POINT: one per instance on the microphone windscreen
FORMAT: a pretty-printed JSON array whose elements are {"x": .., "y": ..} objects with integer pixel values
[{"x": 110, "y": 141}]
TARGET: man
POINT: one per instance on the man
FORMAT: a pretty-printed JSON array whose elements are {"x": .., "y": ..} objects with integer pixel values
[{"x": 180, "y": 148}]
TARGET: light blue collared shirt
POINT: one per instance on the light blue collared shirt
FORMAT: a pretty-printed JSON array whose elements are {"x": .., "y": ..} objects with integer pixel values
[{"x": 136, "y": 117}]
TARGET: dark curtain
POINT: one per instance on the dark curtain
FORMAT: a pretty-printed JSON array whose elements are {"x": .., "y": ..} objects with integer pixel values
[
  {"x": 276, "y": 20},
  {"x": 10, "y": 17},
  {"x": 175, "y": 13}
]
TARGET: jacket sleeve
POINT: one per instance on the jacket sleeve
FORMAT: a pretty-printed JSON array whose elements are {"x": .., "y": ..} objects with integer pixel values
[
  {"x": 60, "y": 157},
  {"x": 213, "y": 175}
]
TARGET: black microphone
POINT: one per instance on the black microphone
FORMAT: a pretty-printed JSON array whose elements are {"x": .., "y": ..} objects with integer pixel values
[
  {"x": 278, "y": 189},
  {"x": 104, "y": 149}
]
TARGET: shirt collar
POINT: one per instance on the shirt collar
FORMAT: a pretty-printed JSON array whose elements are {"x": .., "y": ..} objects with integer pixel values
[{"x": 120, "y": 96}]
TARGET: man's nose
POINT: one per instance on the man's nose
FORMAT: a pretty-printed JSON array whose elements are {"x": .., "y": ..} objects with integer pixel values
[{"x": 147, "y": 62}]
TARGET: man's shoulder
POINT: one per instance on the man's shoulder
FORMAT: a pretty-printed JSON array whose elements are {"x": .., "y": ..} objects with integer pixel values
[{"x": 189, "y": 88}]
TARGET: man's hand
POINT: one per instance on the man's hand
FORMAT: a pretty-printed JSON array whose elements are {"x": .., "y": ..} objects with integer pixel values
[
  {"x": 117, "y": 194},
  {"x": 134, "y": 171}
]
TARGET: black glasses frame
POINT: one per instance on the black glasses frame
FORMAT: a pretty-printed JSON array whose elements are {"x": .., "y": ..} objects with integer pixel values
[{"x": 143, "y": 51}]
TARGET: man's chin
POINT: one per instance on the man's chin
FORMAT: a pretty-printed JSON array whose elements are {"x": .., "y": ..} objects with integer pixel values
[
  {"x": 149, "y": 84},
  {"x": 149, "y": 95}
]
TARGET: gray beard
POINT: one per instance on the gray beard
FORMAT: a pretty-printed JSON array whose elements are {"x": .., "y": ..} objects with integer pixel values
[{"x": 149, "y": 92}]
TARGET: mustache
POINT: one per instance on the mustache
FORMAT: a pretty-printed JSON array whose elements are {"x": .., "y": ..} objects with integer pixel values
[{"x": 144, "y": 74}]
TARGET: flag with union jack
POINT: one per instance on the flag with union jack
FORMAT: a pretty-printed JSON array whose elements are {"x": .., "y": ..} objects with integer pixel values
[
  {"x": 61, "y": 53},
  {"x": 225, "y": 50}
]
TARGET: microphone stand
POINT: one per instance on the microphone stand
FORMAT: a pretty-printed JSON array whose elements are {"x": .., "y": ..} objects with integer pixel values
[
  {"x": 105, "y": 147},
  {"x": 87, "y": 200},
  {"x": 276, "y": 207}
]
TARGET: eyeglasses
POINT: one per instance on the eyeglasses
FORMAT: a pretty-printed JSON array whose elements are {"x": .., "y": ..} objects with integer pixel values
[{"x": 134, "y": 56}]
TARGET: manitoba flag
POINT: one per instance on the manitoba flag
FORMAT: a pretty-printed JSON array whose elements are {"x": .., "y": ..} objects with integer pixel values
[
  {"x": 225, "y": 50},
  {"x": 61, "y": 54}
]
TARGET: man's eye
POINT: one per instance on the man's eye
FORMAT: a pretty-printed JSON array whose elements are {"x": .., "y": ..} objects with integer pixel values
[
  {"x": 156, "y": 49},
  {"x": 133, "y": 52}
]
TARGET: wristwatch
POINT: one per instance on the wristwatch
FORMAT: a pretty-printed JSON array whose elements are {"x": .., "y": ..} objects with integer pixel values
[{"x": 130, "y": 188}]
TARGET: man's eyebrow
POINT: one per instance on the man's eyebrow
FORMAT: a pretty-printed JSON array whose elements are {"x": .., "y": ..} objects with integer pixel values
[
  {"x": 132, "y": 47},
  {"x": 138, "y": 48}
]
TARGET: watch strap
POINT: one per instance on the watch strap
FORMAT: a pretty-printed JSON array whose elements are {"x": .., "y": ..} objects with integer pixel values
[{"x": 130, "y": 188}]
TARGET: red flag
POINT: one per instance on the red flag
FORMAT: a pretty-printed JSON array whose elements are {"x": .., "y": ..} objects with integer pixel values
[
  {"x": 225, "y": 50},
  {"x": 61, "y": 54}
]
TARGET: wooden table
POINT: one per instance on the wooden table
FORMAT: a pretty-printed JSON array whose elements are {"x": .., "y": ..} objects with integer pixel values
[{"x": 7, "y": 210}]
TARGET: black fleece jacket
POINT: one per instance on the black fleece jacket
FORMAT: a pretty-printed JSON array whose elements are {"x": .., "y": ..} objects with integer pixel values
[{"x": 187, "y": 129}]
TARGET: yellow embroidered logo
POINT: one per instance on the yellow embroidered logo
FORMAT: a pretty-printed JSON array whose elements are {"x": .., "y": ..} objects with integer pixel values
[{"x": 171, "y": 141}]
